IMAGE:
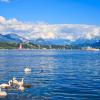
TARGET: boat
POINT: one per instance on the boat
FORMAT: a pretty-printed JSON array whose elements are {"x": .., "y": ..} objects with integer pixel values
[{"x": 91, "y": 49}]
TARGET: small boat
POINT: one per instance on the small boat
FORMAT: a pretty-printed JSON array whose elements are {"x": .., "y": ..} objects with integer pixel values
[{"x": 91, "y": 49}]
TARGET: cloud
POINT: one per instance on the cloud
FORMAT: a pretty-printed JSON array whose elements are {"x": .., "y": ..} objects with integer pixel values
[
  {"x": 2, "y": 20},
  {"x": 49, "y": 31}
]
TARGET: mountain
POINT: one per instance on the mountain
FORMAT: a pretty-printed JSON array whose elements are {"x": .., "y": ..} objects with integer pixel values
[
  {"x": 86, "y": 43},
  {"x": 41, "y": 41},
  {"x": 78, "y": 42},
  {"x": 59, "y": 41},
  {"x": 96, "y": 44},
  {"x": 10, "y": 38}
]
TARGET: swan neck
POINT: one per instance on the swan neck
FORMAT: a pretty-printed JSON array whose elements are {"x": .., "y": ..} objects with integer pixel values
[
  {"x": 22, "y": 79},
  {"x": 0, "y": 89},
  {"x": 9, "y": 83}
]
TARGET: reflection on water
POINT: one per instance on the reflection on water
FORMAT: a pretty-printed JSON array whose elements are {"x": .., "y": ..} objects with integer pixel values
[{"x": 55, "y": 75}]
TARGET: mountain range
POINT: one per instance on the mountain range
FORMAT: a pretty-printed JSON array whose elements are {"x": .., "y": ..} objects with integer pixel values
[{"x": 40, "y": 41}]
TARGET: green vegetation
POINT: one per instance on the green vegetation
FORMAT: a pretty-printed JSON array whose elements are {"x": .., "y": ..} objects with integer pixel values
[
  {"x": 11, "y": 45},
  {"x": 6, "y": 45}
]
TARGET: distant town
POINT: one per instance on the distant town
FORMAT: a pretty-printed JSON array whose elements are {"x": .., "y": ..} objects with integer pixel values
[{"x": 8, "y": 45}]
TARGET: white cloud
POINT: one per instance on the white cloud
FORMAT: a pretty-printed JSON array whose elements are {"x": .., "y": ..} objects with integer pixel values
[
  {"x": 48, "y": 31},
  {"x": 2, "y": 20}
]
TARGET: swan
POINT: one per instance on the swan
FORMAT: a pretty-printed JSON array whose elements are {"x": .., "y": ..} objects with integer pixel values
[
  {"x": 2, "y": 93},
  {"x": 21, "y": 88},
  {"x": 14, "y": 81},
  {"x": 27, "y": 70},
  {"x": 4, "y": 85},
  {"x": 21, "y": 82}
]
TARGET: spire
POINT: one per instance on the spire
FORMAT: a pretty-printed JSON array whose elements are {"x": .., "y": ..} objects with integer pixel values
[{"x": 20, "y": 46}]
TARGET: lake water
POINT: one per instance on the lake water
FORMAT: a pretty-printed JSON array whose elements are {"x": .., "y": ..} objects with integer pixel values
[{"x": 55, "y": 75}]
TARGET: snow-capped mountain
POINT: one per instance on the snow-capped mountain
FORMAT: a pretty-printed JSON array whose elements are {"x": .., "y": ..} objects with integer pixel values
[
  {"x": 50, "y": 41},
  {"x": 40, "y": 41}
]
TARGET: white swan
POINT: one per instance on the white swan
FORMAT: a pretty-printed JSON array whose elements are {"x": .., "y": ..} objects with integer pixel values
[
  {"x": 4, "y": 85},
  {"x": 14, "y": 81},
  {"x": 2, "y": 93},
  {"x": 21, "y": 88},
  {"x": 27, "y": 70},
  {"x": 21, "y": 82}
]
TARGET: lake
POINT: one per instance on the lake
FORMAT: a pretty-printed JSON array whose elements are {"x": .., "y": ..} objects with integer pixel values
[{"x": 55, "y": 75}]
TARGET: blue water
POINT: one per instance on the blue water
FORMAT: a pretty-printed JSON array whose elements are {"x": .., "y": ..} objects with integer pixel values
[{"x": 56, "y": 74}]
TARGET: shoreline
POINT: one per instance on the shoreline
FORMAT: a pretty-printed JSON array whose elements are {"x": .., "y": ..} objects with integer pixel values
[{"x": 52, "y": 49}]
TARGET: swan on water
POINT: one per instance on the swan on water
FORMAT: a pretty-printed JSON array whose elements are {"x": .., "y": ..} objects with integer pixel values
[
  {"x": 27, "y": 70},
  {"x": 2, "y": 93},
  {"x": 21, "y": 88},
  {"x": 21, "y": 82},
  {"x": 14, "y": 81},
  {"x": 4, "y": 85}
]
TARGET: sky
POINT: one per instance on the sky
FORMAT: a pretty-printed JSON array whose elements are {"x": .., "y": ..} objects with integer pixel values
[
  {"x": 53, "y": 11},
  {"x": 51, "y": 19}
]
